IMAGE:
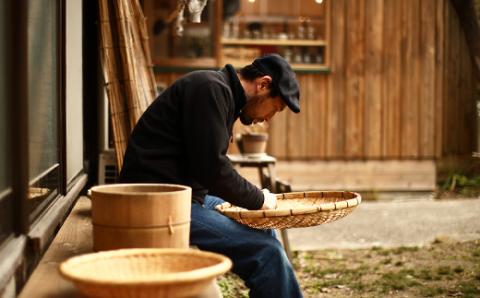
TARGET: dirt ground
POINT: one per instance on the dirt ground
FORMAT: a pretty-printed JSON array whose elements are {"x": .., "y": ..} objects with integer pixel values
[{"x": 444, "y": 268}]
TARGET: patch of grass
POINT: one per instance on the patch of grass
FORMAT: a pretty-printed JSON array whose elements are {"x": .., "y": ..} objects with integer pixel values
[
  {"x": 470, "y": 289},
  {"x": 461, "y": 183},
  {"x": 397, "y": 281},
  {"x": 425, "y": 275},
  {"x": 387, "y": 261},
  {"x": 476, "y": 253},
  {"x": 403, "y": 249},
  {"x": 232, "y": 286},
  {"x": 458, "y": 269},
  {"x": 444, "y": 270},
  {"x": 431, "y": 291}
]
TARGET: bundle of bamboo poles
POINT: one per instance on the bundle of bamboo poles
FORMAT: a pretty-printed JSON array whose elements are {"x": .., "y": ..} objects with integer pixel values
[{"x": 127, "y": 67}]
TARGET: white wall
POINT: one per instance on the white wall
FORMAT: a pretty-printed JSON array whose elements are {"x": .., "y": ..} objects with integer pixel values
[{"x": 74, "y": 93}]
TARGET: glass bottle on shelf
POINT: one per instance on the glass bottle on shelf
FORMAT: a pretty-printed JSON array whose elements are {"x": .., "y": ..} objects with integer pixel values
[
  {"x": 266, "y": 33},
  {"x": 235, "y": 30},
  {"x": 227, "y": 30},
  {"x": 300, "y": 31},
  {"x": 319, "y": 56},
  {"x": 306, "y": 56},
  {"x": 310, "y": 31},
  {"x": 287, "y": 54},
  {"x": 301, "y": 27},
  {"x": 297, "y": 55}
]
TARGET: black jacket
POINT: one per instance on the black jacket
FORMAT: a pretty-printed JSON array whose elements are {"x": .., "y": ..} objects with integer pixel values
[{"x": 183, "y": 137}]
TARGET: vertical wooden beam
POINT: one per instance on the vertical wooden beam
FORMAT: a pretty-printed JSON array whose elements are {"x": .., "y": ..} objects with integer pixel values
[
  {"x": 373, "y": 78},
  {"x": 278, "y": 134},
  {"x": 410, "y": 76},
  {"x": 218, "y": 27},
  {"x": 297, "y": 123},
  {"x": 454, "y": 85},
  {"x": 335, "y": 137},
  {"x": 328, "y": 22},
  {"x": 446, "y": 77},
  {"x": 439, "y": 76},
  {"x": 317, "y": 116},
  {"x": 427, "y": 79},
  {"x": 392, "y": 82},
  {"x": 355, "y": 85}
]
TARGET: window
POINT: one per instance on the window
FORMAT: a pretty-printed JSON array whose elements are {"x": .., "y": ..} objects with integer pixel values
[
  {"x": 6, "y": 207},
  {"x": 43, "y": 105}
]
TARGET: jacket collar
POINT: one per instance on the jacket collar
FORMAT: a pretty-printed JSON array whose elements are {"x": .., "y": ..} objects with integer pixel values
[{"x": 237, "y": 90}]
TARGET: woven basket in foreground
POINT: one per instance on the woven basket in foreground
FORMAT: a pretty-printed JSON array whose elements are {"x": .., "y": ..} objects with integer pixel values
[
  {"x": 296, "y": 210},
  {"x": 150, "y": 272}
]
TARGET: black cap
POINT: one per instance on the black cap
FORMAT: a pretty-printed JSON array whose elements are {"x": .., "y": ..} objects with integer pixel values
[{"x": 284, "y": 81}]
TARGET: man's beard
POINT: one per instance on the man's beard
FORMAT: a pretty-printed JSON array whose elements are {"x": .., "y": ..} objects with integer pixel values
[{"x": 246, "y": 120}]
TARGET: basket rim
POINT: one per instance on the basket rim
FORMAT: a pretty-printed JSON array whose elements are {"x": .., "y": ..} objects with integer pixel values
[
  {"x": 321, "y": 207},
  {"x": 98, "y": 189},
  {"x": 195, "y": 275}
]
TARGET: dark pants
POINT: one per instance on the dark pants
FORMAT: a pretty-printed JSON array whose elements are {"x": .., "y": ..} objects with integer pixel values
[{"x": 258, "y": 257}]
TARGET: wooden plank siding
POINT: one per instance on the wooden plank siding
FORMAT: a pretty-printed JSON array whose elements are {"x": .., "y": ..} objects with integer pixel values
[
  {"x": 427, "y": 79},
  {"x": 335, "y": 116},
  {"x": 355, "y": 79},
  {"x": 373, "y": 79},
  {"x": 439, "y": 77},
  {"x": 400, "y": 86},
  {"x": 392, "y": 89}
]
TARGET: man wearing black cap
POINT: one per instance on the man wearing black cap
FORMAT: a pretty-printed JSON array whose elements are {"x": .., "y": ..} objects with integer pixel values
[{"x": 183, "y": 137}]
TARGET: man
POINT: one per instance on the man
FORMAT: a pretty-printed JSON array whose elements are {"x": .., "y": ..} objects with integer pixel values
[{"x": 183, "y": 138}]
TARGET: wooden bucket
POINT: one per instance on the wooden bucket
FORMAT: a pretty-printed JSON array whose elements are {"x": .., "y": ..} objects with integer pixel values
[{"x": 140, "y": 216}]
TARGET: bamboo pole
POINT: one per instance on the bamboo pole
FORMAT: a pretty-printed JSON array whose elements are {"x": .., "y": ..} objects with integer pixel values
[{"x": 127, "y": 67}]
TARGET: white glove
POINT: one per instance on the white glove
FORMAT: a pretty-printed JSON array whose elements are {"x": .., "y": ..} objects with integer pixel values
[{"x": 269, "y": 199}]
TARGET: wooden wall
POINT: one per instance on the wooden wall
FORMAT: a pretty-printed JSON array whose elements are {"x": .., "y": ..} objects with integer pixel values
[{"x": 401, "y": 87}]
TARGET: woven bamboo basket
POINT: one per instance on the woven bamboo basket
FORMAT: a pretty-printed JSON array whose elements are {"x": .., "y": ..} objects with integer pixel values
[
  {"x": 296, "y": 210},
  {"x": 151, "y": 272}
]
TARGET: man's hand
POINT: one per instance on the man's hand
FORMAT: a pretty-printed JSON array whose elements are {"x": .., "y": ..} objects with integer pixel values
[{"x": 269, "y": 199}]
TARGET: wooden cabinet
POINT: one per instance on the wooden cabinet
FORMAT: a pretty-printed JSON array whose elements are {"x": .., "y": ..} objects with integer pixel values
[
  {"x": 297, "y": 30},
  {"x": 197, "y": 47}
]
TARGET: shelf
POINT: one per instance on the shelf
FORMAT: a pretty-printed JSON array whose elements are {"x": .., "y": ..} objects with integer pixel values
[
  {"x": 298, "y": 67},
  {"x": 304, "y": 66},
  {"x": 272, "y": 42},
  {"x": 202, "y": 62}
]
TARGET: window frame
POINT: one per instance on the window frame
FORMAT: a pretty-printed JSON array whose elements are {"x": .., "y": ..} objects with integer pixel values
[
  {"x": 19, "y": 143},
  {"x": 24, "y": 246}
]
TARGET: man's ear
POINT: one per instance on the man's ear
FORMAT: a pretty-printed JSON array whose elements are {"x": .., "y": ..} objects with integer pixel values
[{"x": 264, "y": 82}]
